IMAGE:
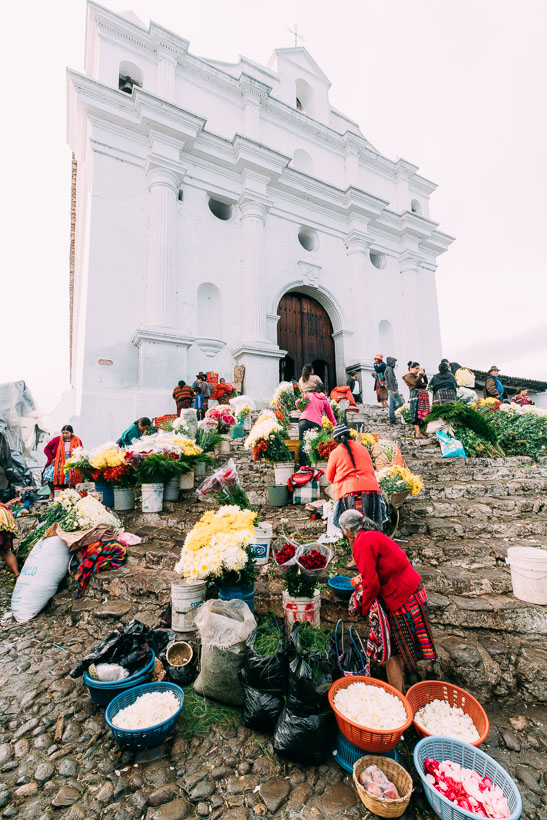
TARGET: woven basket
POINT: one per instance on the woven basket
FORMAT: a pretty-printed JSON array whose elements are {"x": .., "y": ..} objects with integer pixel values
[
  {"x": 398, "y": 776},
  {"x": 427, "y": 690}
]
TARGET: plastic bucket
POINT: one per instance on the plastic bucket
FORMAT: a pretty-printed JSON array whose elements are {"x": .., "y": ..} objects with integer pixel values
[
  {"x": 301, "y": 610},
  {"x": 171, "y": 489},
  {"x": 528, "y": 573},
  {"x": 124, "y": 498},
  {"x": 323, "y": 481},
  {"x": 185, "y": 600},
  {"x": 102, "y": 692},
  {"x": 107, "y": 492},
  {"x": 246, "y": 594},
  {"x": 223, "y": 447},
  {"x": 237, "y": 431},
  {"x": 199, "y": 469},
  {"x": 283, "y": 470},
  {"x": 247, "y": 423},
  {"x": 152, "y": 498},
  {"x": 186, "y": 480},
  {"x": 263, "y": 538},
  {"x": 278, "y": 495}
]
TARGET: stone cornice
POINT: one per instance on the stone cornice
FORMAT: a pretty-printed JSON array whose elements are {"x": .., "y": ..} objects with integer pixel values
[
  {"x": 357, "y": 242},
  {"x": 252, "y": 88},
  {"x": 161, "y": 334}
]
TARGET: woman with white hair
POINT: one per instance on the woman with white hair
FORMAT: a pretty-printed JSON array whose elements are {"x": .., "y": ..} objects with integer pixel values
[{"x": 386, "y": 573}]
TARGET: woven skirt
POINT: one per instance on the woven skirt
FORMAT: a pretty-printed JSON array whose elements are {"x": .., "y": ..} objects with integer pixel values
[
  {"x": 410, "y": 631},
  {"x": 370, "y": 503}
]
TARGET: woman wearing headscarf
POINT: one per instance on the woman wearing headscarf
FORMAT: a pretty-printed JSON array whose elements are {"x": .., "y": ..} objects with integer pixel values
[
  {"x": 387, "y": 575},
  {"x": 353, "y": 480},
  {"x": 59, "y": 450},
  {"x": 444, "y": 385},
  {"x": 416, "y": 381},
  {"x": 380, "y": 380}
]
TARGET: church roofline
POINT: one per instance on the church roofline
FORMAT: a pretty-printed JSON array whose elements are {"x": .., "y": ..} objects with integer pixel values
[{"x": 303, "y": 50}]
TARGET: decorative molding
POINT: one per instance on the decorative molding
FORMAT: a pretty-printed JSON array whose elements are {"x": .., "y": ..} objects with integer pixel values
[
  {"x": 210, "y": 346},
  {"x": 250, "y": 348},
  {"x": 161, "y": 335},
  {"x": 309, "y": 273}
]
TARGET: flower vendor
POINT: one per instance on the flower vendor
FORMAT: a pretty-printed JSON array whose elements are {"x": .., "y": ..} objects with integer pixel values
[
  {"x": 59, "y": 450},
  {"x": 386, "y": 573},
  {"x": 8, "y": 528},
  {"x": 354, "y": 484},
  {"x": 380, "y": 379},
  {"x": 493, "y": 388},
  {"x": 135, "y": 431},
  {"x": 224, "y": 391},
  {"x": 316, "y": 406},
  {"x": 183, "y": 395},
  {"x": 416, "y": 381},
  {"x": 308, "y": 380},
  {"x": 521, "y": 397},
  {"x": 444, "y": 385}
]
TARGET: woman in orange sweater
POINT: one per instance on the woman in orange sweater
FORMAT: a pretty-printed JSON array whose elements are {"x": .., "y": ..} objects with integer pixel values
[{"x": 354, "y": 484}]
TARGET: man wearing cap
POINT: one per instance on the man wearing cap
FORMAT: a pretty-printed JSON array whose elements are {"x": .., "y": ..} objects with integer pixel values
[
  {"x": 395, "y": 399},
  {"x": 380, "y": 379},
  {"x": 493, "y": 388}
]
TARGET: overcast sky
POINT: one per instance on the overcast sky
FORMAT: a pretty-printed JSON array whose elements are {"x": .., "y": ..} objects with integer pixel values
[{"x": 457, "y": 87}]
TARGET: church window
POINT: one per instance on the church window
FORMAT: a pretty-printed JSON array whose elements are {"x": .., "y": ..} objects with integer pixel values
[
  {"x": 129, "y": 75},
  {"x": 415, "y": 207},
  {"x": 308, "y": 239},
  {"x": 222, "y": 210},
  {"x": 302, "y": 161},
  {"x": 304, "y": 96},
  {"x": 209, "y": 310},
  {"x": 378, "y": 259},
  {"x": 385, "y": 331}
]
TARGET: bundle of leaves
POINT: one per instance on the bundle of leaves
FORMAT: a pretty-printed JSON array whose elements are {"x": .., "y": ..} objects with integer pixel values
[
  {"x": 464, "y": 416},
  {"x": 245, "y": 577},
  {"x": 298, "y": 584},
  {"x": 520, "y": 434},
  {"x": 159, "y": 467},
  {"x": 56, "y": 514},
  {"x": 475, "y": 446},
  {"x": 269, "y": 634},
  {"x": 233, "y": 493},
  {"x": 314, "y": 639},
  {"x": 207, "y": 440}
]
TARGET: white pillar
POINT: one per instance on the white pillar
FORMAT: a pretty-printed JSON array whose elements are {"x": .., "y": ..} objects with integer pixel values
[
  {"x": 163, "y": 185},
  {"x": 409, "y": 267},
  {"x": 165, "y": 77},
  {"x": 253, "y": 218},
  {"x": 357, "y": 248}
]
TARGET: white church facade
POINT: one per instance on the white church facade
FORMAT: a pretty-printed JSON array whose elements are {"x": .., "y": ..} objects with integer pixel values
[{"x": 227, "y": 214}]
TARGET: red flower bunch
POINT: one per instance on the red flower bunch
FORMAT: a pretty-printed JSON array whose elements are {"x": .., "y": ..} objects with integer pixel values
[
  {"x": 313, "y": 560},
  {"x": 260, "y": 447},
  {"x": 96, "y": 475},
  {"x": 284, "y": 554},
  {"x": 324, "y": 449},
  {"x": 114, "y": 475}
]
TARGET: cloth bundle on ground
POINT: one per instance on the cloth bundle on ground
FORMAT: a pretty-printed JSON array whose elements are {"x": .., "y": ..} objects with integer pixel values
[
  {"x": 303, "y": 476},
  {"x": 386, "y": 453},
  {"x": 98, "y": 557},
  {"x": 224, "y": 627},
  {"x": 264, "y": 676},
  {"x": 129, "y": 648}
]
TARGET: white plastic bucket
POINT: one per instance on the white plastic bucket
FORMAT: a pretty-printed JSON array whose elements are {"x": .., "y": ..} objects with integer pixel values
[
  {"x": 323, "y": 481},
  {"x": 171, "y": 489},
  {"x": 301, "y": 610},
  {"x": 152, "y": 498},
  {"x": 186, "y": 481},
  {"x": 247, "y": 423},
  {"x": 528, "y": 573},
  {"x": 124, "y": 498},
  {"x": 262, "y": 540},
  {"x": 199, "y": 469},
  {"x": 186, "y": 598},
  {"x": 223, "y": 447},
  {"x": 283, "y": 470}
]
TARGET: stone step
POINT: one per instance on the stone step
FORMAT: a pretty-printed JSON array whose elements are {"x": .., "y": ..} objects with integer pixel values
[
  {"x": 482, "y": 507},
  {"x": 497, "y": 613},
  {"x": 473, "y": 527},
  {"x": 469, "y": 583},
  {"x": 489, "y": 488},
  {"x": 465, "y": 552}
]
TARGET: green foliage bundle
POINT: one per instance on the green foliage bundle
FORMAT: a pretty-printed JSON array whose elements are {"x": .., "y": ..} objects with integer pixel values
[{"x": 466, "y": 417}]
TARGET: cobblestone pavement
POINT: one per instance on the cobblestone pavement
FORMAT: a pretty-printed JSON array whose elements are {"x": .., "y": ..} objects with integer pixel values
[{"x": 57, "y": 758}]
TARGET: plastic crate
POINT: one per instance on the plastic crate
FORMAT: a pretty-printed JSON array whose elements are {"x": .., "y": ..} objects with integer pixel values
[{"x": 346, "y": 753}]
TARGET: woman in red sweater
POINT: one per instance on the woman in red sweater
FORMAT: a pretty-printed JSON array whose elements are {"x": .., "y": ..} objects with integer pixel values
[
  {"x": 386, "y": 573},
  {"x": 353, "y": 480}
]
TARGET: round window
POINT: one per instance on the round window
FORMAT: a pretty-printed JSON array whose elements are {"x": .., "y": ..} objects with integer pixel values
[
  {"x": 378, "y": 259},
  {"x": 308, "y": 239},
  {"x": 222, "y": 210}
]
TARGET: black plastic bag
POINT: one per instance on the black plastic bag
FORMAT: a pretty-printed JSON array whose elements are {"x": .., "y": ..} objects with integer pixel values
[
  {"x": 267, "y": 672},
  {"x": 260, "y": 709},
  {"x": 130, "y": 648},
  {"x": 311, "y": 674},
  {"x": 303, "y": 739}
]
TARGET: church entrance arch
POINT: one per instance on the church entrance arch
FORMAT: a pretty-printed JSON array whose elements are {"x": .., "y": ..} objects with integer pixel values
[{"x": 305, "y": 331}]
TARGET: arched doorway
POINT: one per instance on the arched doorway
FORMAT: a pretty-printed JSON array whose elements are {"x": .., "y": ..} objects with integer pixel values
[{"x": 305, "y": 332}]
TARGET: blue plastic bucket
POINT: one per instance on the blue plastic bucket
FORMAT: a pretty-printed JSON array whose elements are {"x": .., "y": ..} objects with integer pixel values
[
  {"x": 107, "y": 491},
  {"x": 246, "y": 594},
  {"x": 143, "y": 738},
  {"x": 102, "y": 692}
]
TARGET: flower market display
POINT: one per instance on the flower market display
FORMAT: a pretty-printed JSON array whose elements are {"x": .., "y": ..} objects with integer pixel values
[
  {"x": 467, "y": 789},
  {"x": 370, "y": 706},
  {"x": 319, "y": 444},
  {"x": 218, "y": 544},
  {"x": 286, "y": 394},
  {"x": 224, "y": 486},
  {"x": 148, "y": 710},
  {"x": 397, "y": 479},
  {"x": 267, "y": 441},
  {"x": 438, "y": 717},
  {"x": 223, "y": 417}
]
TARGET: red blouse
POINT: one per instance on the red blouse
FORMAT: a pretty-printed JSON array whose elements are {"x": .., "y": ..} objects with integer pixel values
[{"x": 385, "y": 571}]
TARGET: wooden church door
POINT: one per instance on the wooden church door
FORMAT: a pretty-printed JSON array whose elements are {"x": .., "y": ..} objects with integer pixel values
[{"x": 304, "y": 330}]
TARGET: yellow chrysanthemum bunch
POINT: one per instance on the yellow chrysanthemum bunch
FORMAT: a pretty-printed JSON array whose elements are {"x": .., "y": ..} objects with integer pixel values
[
  {"x": 188, "y": 447},
  {"x": 109, "y": 457},
  {"x": 485, "y": 403},
  {"x": 326, "y": 424},
  {"x": 403, "y": 478},
  {"x": 217, "y": 543},
  {"x": 366, "y": 439}
]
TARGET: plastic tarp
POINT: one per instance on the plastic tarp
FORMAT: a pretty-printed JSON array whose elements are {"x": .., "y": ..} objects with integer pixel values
[{"x": 21, "y": 429}]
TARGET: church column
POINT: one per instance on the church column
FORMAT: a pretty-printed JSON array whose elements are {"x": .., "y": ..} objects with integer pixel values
[
  {"x": 165, "y": 77},
  {"x": 357, "y": 246},
  {"x": 163, "y": 186},
  {"x": 409, "y": 267},
  {"x": 253, "y": 218}
]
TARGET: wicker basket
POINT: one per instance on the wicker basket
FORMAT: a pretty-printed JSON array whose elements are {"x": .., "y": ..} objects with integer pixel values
[
  {"x": 427, "y": 690},
  {"x": 398, "y": 776},
  {"x": 371, "y": 740}
]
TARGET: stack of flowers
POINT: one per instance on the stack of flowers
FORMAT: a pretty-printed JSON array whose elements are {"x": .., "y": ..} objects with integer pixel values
[
  {"x": 397, "y": 479},
  {"x": 404, "y": 412},
  {"x": 219, "y": 545},
  {"x": 490, "y": 404},
  {"x": 84, "y": 513},
  {"x": 337, "y": 412},
  {"x": 281, "y": 416},
  {"x": 223, "y": 417},
  {"x": 266, "y": 440},
  {"x": 243, "y": 411},
  {"x": 224, "y": 486},
  {"x": 319, "y": 444},
  {"x": 286, "y": 395}
]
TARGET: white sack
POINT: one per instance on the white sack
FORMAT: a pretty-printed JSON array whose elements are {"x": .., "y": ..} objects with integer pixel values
[{"x": 42, "y": 573}]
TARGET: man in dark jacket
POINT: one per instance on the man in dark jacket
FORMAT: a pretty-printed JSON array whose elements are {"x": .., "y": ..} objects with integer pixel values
[
  {"x": 395, "y": 399},
  {"x": 355, "y": 387},
  {"x": 493, "y": 388}
]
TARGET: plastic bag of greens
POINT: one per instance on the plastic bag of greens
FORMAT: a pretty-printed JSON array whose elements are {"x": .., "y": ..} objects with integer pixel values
[
  {"x": 312, "y": 669},
  {"x": 260, "y": 709},
  {"x": 266, "y": 664},
  {"x": 303, "y": 738}
]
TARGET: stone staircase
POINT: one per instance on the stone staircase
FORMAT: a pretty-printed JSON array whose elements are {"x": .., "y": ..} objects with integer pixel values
[{"x": 456, "y": 533}]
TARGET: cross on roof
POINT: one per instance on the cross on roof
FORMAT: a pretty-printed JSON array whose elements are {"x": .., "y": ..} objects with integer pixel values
[{"x": 297, "y": 36}]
